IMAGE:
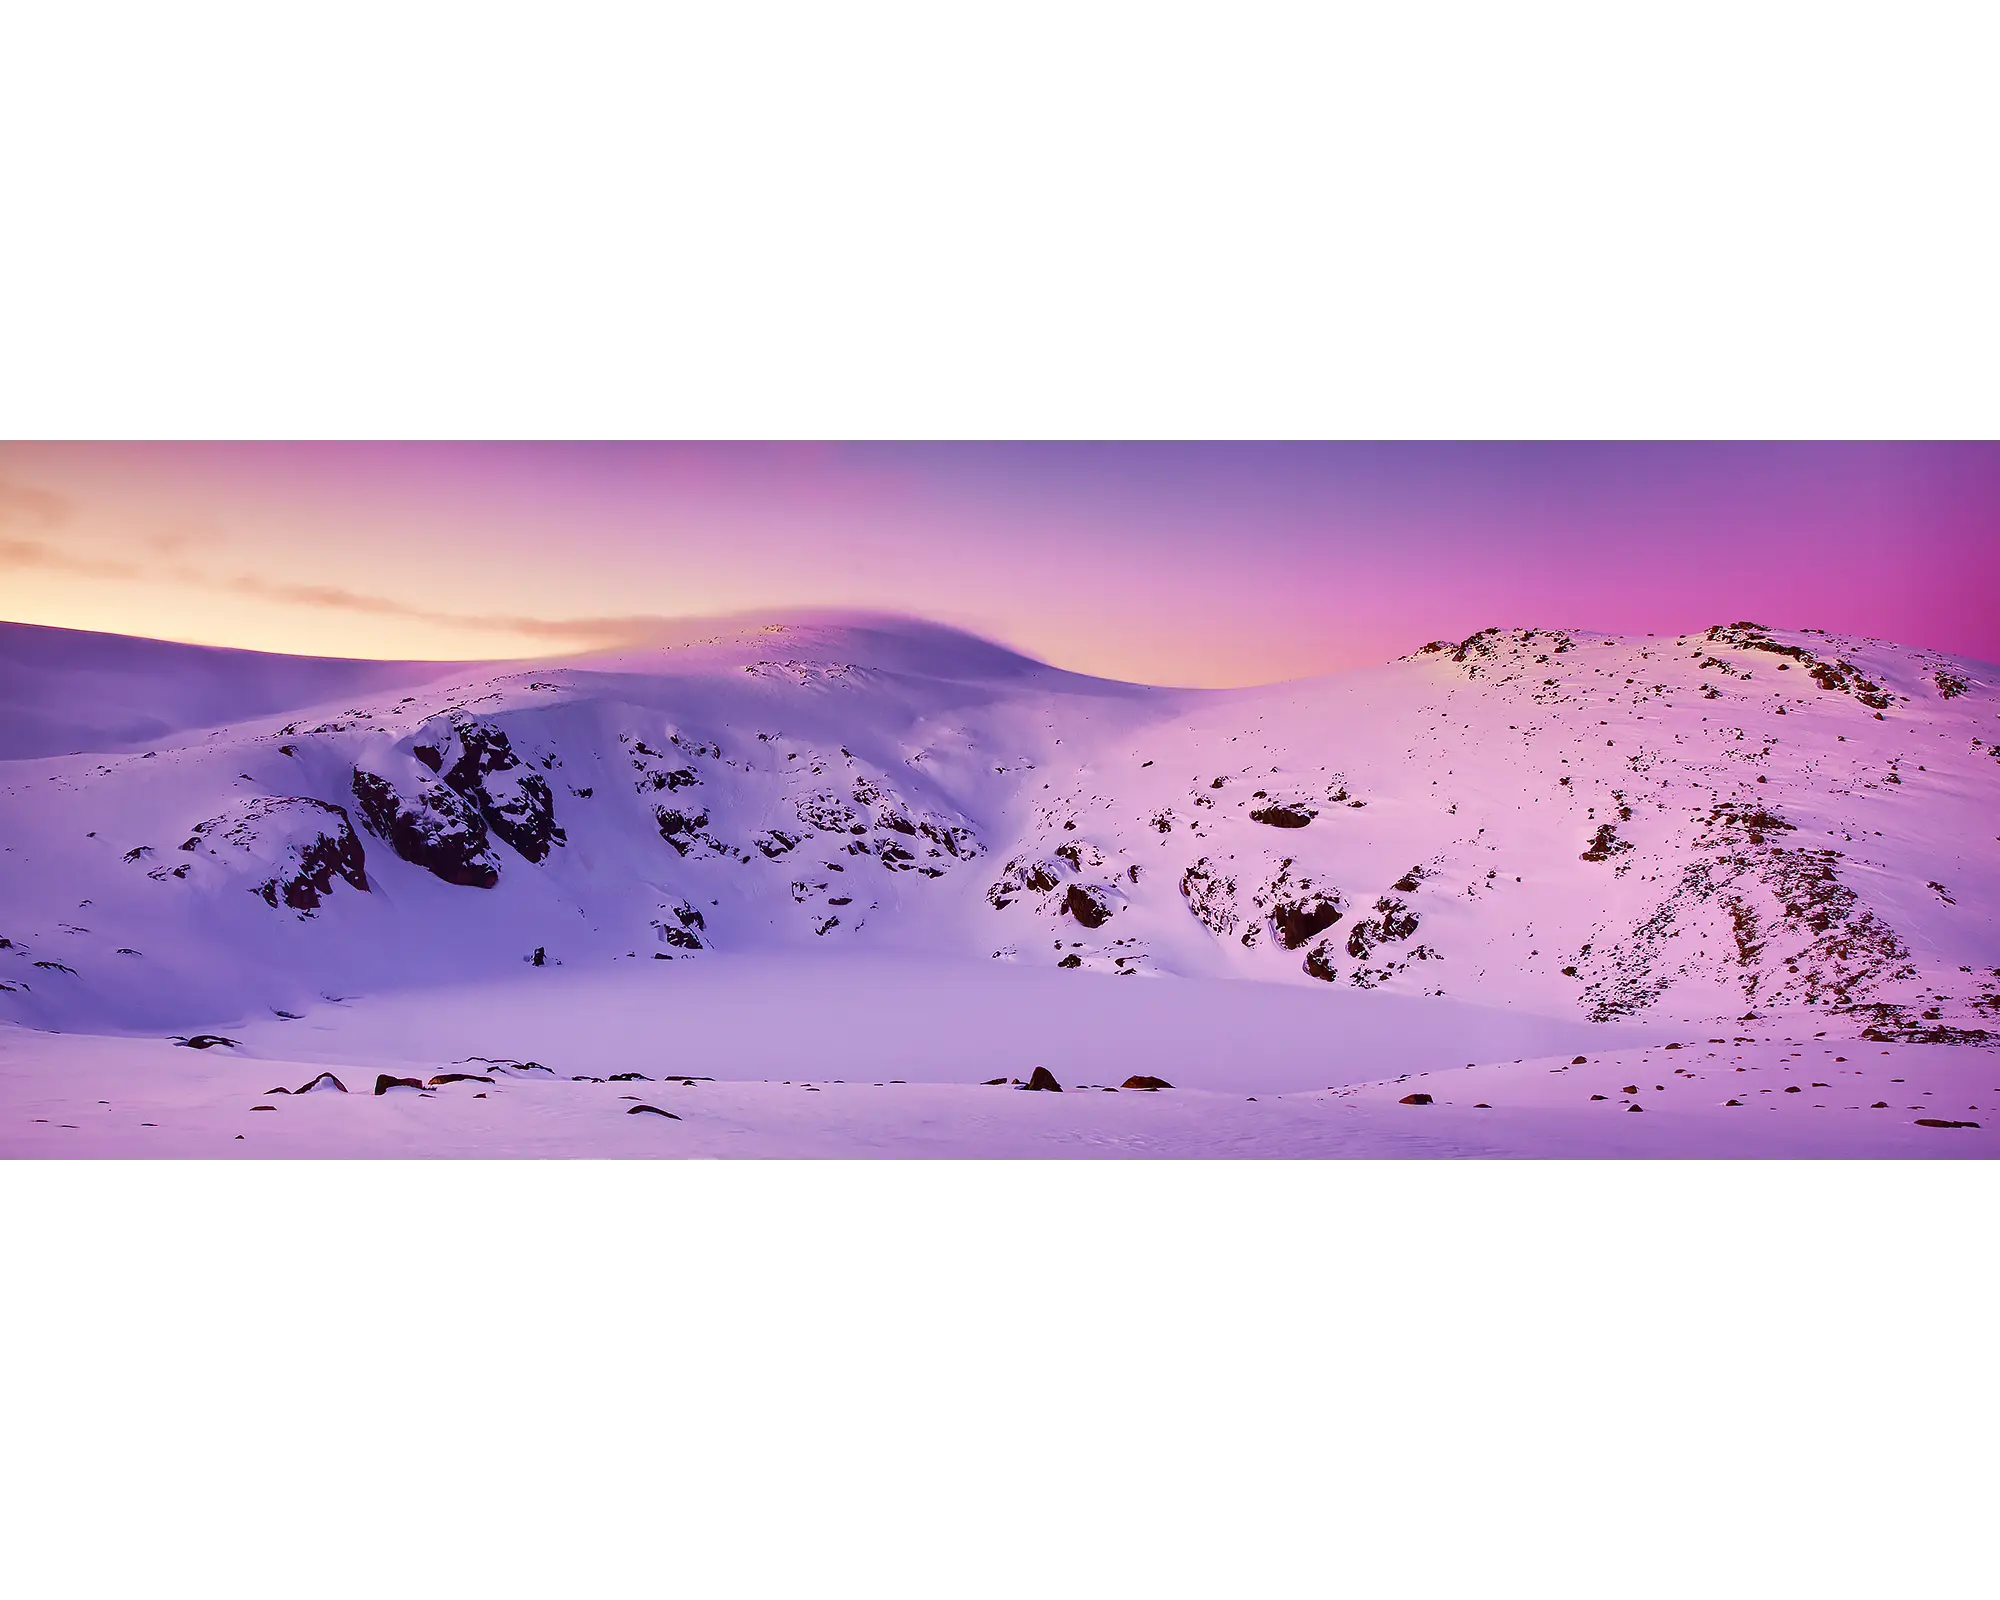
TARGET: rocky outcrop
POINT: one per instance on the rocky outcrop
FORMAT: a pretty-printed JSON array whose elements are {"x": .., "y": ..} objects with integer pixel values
[
  {"x": 435, "y": 829},
  {"x": 298, "y": 847},
  {"x": 1283, "y": 816},
  {"x": 1319, "y": 962},
  {"x": 679, "y": 828},
  {"x": 1296, "y": 922},
  {"x": 1392, "y": 921},
  {"x": 384, "y": 1082},
  {"x": 1087, "y": 905},
  {"x": 1829, "y": 672},
  {"x": 1211, "y": 895},
  {"x": 1604, "y": 844},
  {"x": 1141, "y": 1080},
  {"x": 680, "y": 925},
  {"x": 325, "y": 1083},
  {"x": 479, "y": 764},
  {"x": 1042, "y": 1078},
  {"x": 332, "y": 851}
]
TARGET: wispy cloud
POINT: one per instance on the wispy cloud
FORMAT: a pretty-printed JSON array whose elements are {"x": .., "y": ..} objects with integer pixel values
[
  {"x": 24, "y": 506},
  {"x": 38, "y": 512}
]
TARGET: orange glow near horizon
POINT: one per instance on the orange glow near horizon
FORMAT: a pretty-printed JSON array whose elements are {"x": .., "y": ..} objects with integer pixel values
[{"x": 1190, "y": 564}]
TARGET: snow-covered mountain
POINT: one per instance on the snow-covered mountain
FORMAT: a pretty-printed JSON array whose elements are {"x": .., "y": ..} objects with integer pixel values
[
  {"x": 1776, "y": 834},
  {"x": 1736, "y": 824}
]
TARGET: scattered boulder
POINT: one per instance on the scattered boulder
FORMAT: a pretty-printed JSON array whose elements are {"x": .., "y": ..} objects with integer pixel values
[
  {"x": 1943, "y": 1122},
  {"x": 651, "y": 1111},
  {"x": 1042, "y": 1078},
  {"x": 1419, "y": 1099},
  {"x": 384, "y": 1083},
  {"x": 205, "y": 1041},
  {"x": 1635, "y": 1106},
  {"x": 326, "y": 1082},
  {"x": 629, "y": 1077},
  {"x": 1141, "y": 1080},
  {"x": 1577, "y": 1061},
  {"x": 457, "y": 1077},
  {"x": 1283, "y": 816}
]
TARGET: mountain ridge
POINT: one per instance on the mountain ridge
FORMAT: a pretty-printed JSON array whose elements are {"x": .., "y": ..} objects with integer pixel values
[{"x": 1739, "y": 822}]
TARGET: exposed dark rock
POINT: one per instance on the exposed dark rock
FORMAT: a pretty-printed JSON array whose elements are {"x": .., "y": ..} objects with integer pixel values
[
  {"x": 1635, "y": 1106},
  {"x": 384, "y": 1083},
  {"x": 1319, "y": 962},
  {"x": 679, "y": 828},
  {"x": 1418, "y": 1099},
  {"x": 651, "y": 1111},
  {"x": 437, "y": 830},
  {"x": 1392, "y": 921},
  {"x": 205, "y": 1041},
  {"x": 1211, "y": 896},
  {"x": 1605, "y": 844},
  {"x": 1087, "y": 906},
  {"x": 457, "y": 1077},
  {"x": 1141, "y": 1080},
  {"x": 1293, "y": 922},
  {"x": 326, "y": 1082},
  {"x": 1283, "y": 816},
  {"x": 1042, "y": 1078},
  {"x": 479, "y": 764},
  {"x": 1931, "y": 1035},
  {"x": 1577, "y": 1061},
  {"x": 1943, "y": 1122},
  {"x": 629, "y": 1077}
]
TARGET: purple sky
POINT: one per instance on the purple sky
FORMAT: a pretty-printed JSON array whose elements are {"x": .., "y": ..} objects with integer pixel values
[{"x": 1200, "y": 564}]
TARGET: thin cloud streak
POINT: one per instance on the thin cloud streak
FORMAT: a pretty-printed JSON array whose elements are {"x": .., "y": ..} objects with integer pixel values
[{"x": 40, "y": 554}]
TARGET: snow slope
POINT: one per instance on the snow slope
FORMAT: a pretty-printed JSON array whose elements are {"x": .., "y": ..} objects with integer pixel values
[{"x": 859, "y": 838}]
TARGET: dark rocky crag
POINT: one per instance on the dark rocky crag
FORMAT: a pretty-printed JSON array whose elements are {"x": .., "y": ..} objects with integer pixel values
[{"x": 435, "y": 830}]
